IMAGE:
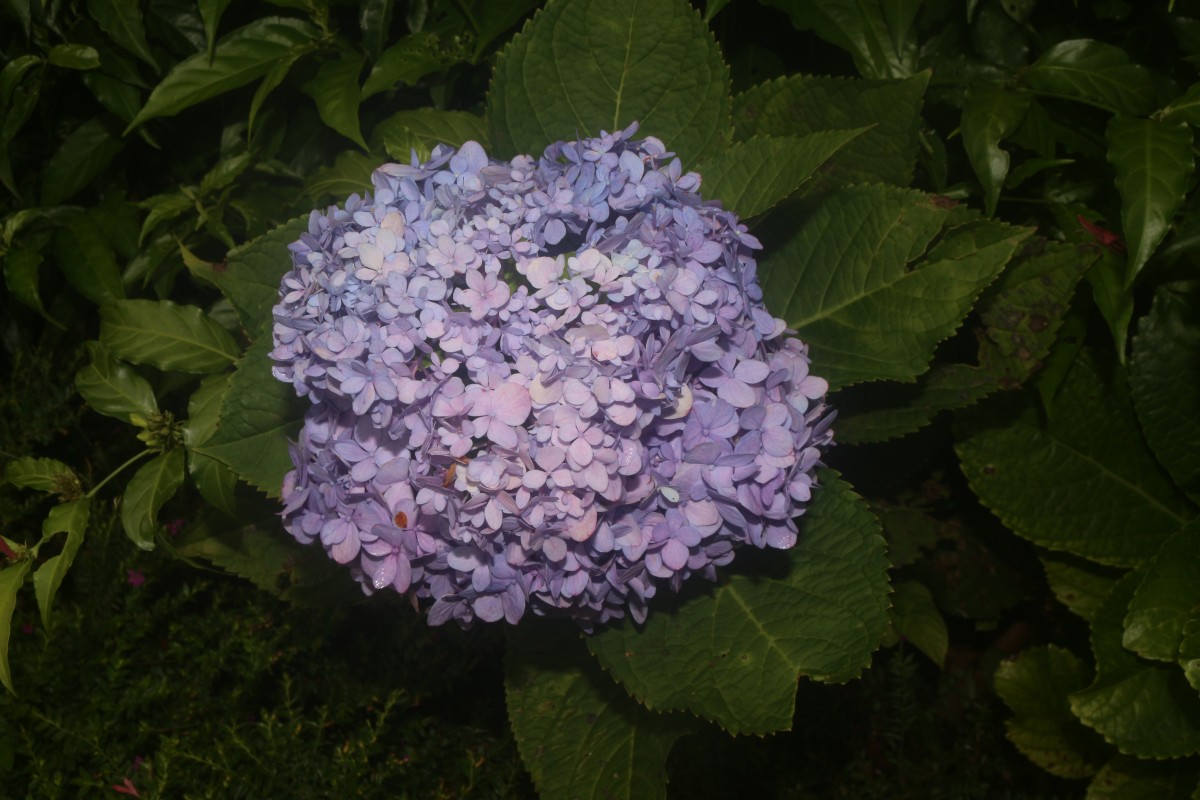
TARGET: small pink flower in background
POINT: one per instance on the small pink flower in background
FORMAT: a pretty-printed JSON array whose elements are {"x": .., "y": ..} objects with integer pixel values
[
  {"x": 135, "y": 578},
  {"x": 126, "y": 787},
  {"x": 137, "y": 762},
  {"x": 174, "y": 527},
  {"x": 27, "y": 628}
]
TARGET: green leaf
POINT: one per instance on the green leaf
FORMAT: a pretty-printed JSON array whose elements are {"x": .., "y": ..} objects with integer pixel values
[
  {"x": 349, "y": 174},
  {"x": 252, "y": 273},
  {"x": 42, "y": 474},
  {"x": 1167, "y": 598},
  {"x": 989, "y": 116},
  {"x": 335, "y": 90},
  {"x": 1035, "y": 686},
  {"x": 425, "y": 128},
  {"x": 272, "y": 80},
  {"x": 878, "y": 34},
  {"x": 122, "y": 20},
  {"x": 1112, "y": 296},
  {"x": 1126, "y": 778},
  {"x": 1082, "y": 482},
  {"x": 11, "y": 579},
  {"x": 112, "y": 388},
  {"x": 1154, "y": 167},
  {"x": 850, "y": 282},
  {"x": 650, "y": 61},
  {"x": 148, "y": 490},
  {"x": 1185, "y": 108},
  {"x": 1189, "y": 653},
  {"x": 239, "y": 57},
  {"x": 1095, "y": 73},
  {"x": 1165, "y": 384},
  {"x": 163, "y": 208},
  {"x": 88, "y": 261},
  {"x": 214, "y": 480},
  {"x": 82, "y": 156},
  {"x": 578, "y": 733},
  {"x": 1080, "y": 585},
  {"x": 258, "y": 416},
  {"x": 733, "y": 654},
  {"x": 74, "y": 56},
  {"x": 21, "y": 268},
  {"x": 210, "y": 13},
  {"x": 409, "y": 60},
  {"x": 375, "y": 20},
  {"x": 69, "y": 518},
  {"x": 915, "y": 616},
  {"x": 167, "y": 336},
  {"x": 752, "y": 176},
  {"x": 1144, "y": 708}
]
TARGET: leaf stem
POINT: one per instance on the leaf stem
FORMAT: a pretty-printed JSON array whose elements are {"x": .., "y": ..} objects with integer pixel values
[{"x": 116, "y": 472}]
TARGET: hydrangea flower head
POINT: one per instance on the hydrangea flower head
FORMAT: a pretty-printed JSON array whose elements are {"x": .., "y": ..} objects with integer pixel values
[{"x": 544, "y": 385}]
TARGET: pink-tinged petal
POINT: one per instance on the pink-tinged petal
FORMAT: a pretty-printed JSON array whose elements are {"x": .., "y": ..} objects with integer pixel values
[
  {"x": 364, "y": 470},
  {"x": 489, "y": 607},
  {"x": 550, "y": 458},
  {"x": 621, "y": 391},
  {"x": 780, "y": 538},
  {"x": 708, "y": 252},
  {"x": 370, "y": 256},
  {"x": 540, "y": 272},
  {"x": 582, "y": 530},
  {"x": 545, "y": 394},
  {"x": 621, "y": 413},
  {"x": 384, "y": 572},
  {"x": 736, "y": 393},
  {"x": 481, "y": 578},
  {"x": 403, "y": 574},
  {"x": 554, "y": 548},
  {"x": 346, "y": 550},
  {"x": 463, "y": 559},
  {"x": 502, "y": 434},
  {"x": 675, "y": 555},
  {"x": 814, "y": 388},
  {"x": 703, "y": 514},
  {"x": 580, "y": 453},
  {"x": 575, "y": 392},
  {"x": 751, "y": 371},
  {"x": 511, "y": 403},
  {"x": 493, "y": 515},
  {"x": 534, "y": 479},
  {"x": 575, "y": 583}
]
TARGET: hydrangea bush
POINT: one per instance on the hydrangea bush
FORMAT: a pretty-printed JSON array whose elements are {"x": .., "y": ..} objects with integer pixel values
[{"x": 549, "y": 384}]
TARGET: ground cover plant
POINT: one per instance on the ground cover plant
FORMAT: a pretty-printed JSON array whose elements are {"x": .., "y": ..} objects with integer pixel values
[{"x": 978, "y": 216}]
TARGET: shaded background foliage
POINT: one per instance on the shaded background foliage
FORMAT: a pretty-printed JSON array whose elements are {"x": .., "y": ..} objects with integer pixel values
[{"x": 1018, "y": 394}]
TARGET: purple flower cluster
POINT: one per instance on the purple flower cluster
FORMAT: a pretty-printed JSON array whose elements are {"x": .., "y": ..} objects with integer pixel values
[{"x": 546, "y": 384}]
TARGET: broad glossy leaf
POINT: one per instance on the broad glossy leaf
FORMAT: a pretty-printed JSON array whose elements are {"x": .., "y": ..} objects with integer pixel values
[
  {"x": 112, "y": 388},
  {"x": 650, "y": 61},
  {"x": 272, "y": 80},
  {"x": 210, "y": 13},
  {"x": 163, "y": 208},
  {"x": 42, "y": 474},
  {"x": 350, "y": 173},
  {"x": 1035, "y": 686},
  {"x": 1079, "y": 584},
  {"x": 335, "y": 90},
  {"x": 1126, "y": 778},
  {"x": 73, "y": 56},
  {"x": 122, "y": 20},
  {"x": 579, "y": 734},
  {"x": 915, "y": 616},
  {"x": 989, "y": 116},
  {"x": 409, "y": 60},
  {"x": 88, "y": 261},
  {"x": 857, "y": 283},
  {"x": 1185, "y": 107},
  {"x": 1084, "y": 481},
  {"x": 1167, "y": 598},
  {"x": 1165, "y": 383},
  {"x": 154, "y": 483},
  {"x": 733, "y": 655},
  {"x": 215, "y": 481},
  {"x": 70, "y": 518},
  {"x": 1143, "y": 707},
  {"x": 21, "y": 272},
  {"x": 424, "y": 128},
  {"x": 251, "y": 274},
  {"x": 239, "y": 57},
  {"x": 911, "y": 407},
  {"x": 878, "y": 34},
  {"x": 1154, "y": 166},
  {"x": 1095, "y": 73},
  {"x": 1113, "y": 297},
  {"x": 752, "y": 176},
  {"x": 11, "y": 579},
  {"x": 258, "y": 416},
  {"x": 375, "y": 20},
  {"x": 167, "y": 336},
  {"x": 493, "y": 19},
  {"x": 82, "y": 156}
]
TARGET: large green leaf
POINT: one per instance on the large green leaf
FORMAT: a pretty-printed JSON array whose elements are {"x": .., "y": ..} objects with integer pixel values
[
  {"x": 1167, "y": 598},
  {"x": 1035, "y": 686},
  {"x": 70, "y": 518},
  {"x": 878, "y": 34},
  {"x": 801, "y": 104},
  {"x": 423, "y": 128},
  {"x": 989, "y": 116},
  {"x": 122, "y": 20},
  {"x": 409, "y": 60},
  {"x": 22, "y": 268},
  {"x": 916, "y": 617},
  {"x": 1165, "y": 383},
  {"x": 733, "y": 655},
  {"x": 88, "y": 261},
  {"x": 214, "y": 480},
  {"x": 1144, "y": 708},
  {"x": 375, "y": 20},
  {"x": 1079, "y": 584},
  {"x": 165, "y": 335},
  {"x": 80, "y": 158},
  {"x": 1083, "y": 482},
  {"x": 651, "y": 61},
  {"x": 112, "y": 388},
  {"x": 273, "y": 78},
  {"x": 752, "y": 176},
  {"x": 1095, "y": 73},
  {"x": 11, "y": 579},
  {"x": 210, "y": 13},
  {"x": 335, "y": 90},
  {"x": 1154, "y": 168},
  {"x": 350, "y": 173},
  {"x": 1126, "y": 778},
  {"x": 873, "y": 282},
  {"x": 579, "y": 734},
  {"x": 238, "y": 58},
  {"x": 151, "y": 486},
  {"x": 41, "y": 474},
  {"x": 1186, "y": 107},
  {"x": 74, "y": 56},
  {"x": 258, "y": 416}
]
